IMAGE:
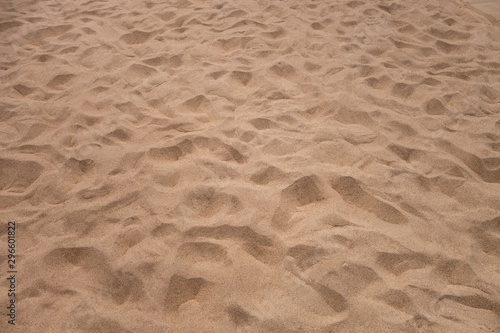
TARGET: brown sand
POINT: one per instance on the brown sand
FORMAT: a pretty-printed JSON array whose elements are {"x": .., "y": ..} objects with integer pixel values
[{"x": 251, "y": 166}]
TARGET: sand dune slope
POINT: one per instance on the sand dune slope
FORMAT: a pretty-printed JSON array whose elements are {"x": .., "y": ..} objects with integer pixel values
[{"x": 251, "y": 166}]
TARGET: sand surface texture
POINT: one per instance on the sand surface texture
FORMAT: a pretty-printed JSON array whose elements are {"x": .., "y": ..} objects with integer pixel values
[
  {"x": 251, "y": 166},
  {"x": 487, "y": 7}
]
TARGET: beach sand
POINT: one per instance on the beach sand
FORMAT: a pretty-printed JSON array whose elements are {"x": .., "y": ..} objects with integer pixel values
[{"x": 251, "y": 166}]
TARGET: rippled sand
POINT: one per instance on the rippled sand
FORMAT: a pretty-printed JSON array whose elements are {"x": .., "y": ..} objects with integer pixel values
[{"x": 251, "y": 166}]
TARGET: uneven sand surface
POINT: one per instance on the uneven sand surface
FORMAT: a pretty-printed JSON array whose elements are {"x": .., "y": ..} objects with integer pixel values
[
  {"x": 488, "y": 8},
  {"x": 250, "y": 166}
]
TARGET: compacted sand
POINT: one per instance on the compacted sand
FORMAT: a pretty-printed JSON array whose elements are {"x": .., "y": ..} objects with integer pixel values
[{"x": 251, "y": 166}]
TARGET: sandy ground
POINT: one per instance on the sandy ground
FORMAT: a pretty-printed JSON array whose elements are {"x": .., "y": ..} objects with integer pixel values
[
  {"x": 251, "y": 166},
  {"x": 488, "y": 8}
]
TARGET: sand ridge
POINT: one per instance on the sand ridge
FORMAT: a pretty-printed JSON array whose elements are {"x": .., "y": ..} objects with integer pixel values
[{"x": 251, "y": 166}]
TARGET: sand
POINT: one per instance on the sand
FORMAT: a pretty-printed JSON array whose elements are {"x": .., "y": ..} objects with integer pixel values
[{"x": 251, "y": 166}]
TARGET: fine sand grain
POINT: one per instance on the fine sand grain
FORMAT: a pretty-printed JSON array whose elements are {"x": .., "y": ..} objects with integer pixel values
[{"x": 251, "y": 165}]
